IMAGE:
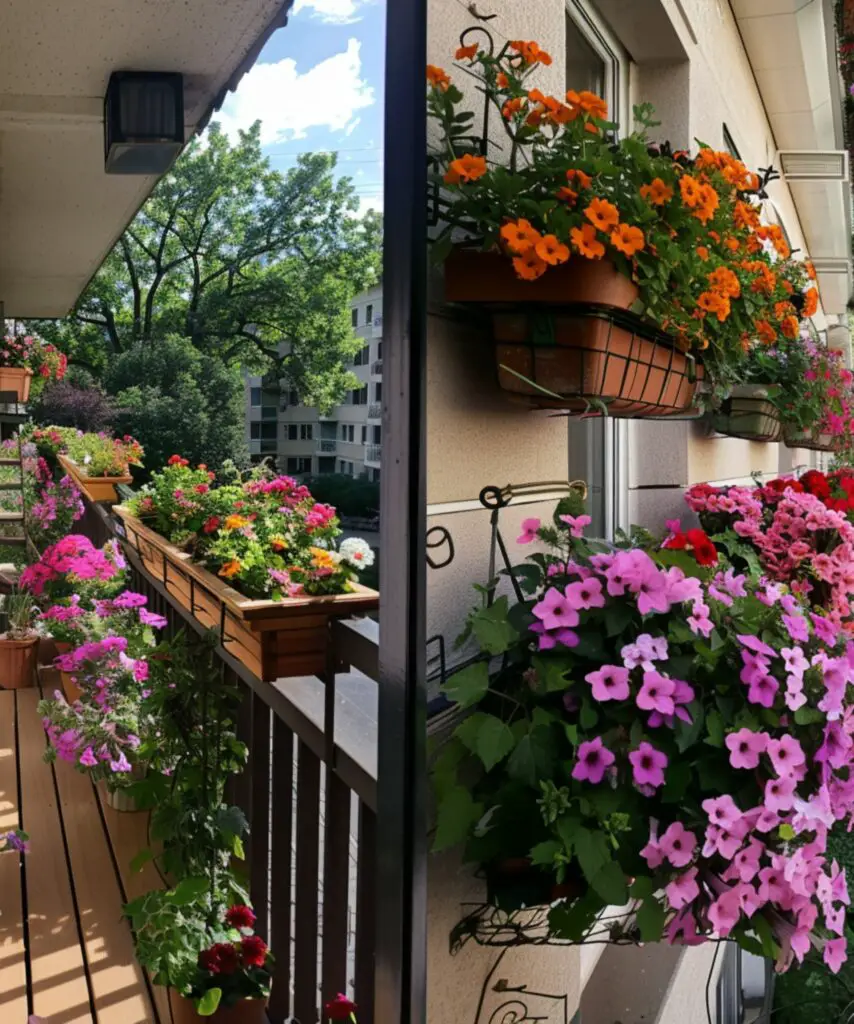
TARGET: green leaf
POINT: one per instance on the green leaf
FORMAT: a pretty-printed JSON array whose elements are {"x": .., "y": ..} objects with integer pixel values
[
  {"x": 494, "y": 741},
  {"x": 610, "y": 883},
  {"x": 715, "y": 729},
  {"x": 209, "y": 1002},
  {"x": 494, "y": 633},
  {"x": 543, "y": 854},
  {"x": 551, "y": 672},
  {"x": 456, "y": 814},
  {"x": 617, "y": 617},
  {"x": 785, "y": 831},
  {"x": 592, "y": 851},
  {"x": 188, "y": 890},
  {"x": 642, "y": 887},
  {"x": 808, "y": 716},
  {"x": 571, "y": 920},
  {"x": 687, "y": 735},
  {"x": 140, "y": 860},
  {"x": 677, "y": 779},
  {"x": 469, "y": 685},
  {"x": 533, "y": 758},
  {"x": 650, "y": 919},
  {"x": 587, "y": 716}
]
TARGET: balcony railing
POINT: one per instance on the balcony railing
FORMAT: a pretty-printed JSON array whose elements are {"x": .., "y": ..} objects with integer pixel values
[
  {"x": 375, "y": 411},
  {"x": 373, "y": 453},
  {"x": 377, "y": 367},
  {"x": 327, "y": 445},
  {"x": 309, "y": 793}
]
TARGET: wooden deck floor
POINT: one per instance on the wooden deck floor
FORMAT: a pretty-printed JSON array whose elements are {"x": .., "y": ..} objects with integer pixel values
[{"x": 66, "y": 954}]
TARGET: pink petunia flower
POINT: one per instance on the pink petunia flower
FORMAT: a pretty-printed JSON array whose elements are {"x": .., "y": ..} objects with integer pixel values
[
  {"x": 648, "y": 765},
  {"x": 610, "y": 682},
  {"x": 593, "y": 759},
  {"x": 745, "y": 746}
]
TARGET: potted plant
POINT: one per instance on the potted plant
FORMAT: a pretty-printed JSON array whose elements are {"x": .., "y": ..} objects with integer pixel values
[
  {"x": 256, "y": 558},
  {"x": 19, "y": 642},
  {"x": 22, "y": 356},
  {"x": 820, "y": 411},
  {"x": 566, "y": 215},
  {"x": 206, "y": 954},
  {"x": 653, "y": 726},
  {"x": 99, "y": 462}
]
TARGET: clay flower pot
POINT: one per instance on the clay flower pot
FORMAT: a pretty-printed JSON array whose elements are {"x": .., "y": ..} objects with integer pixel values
[
  {"x": 16, "y": 379},
  {"x": 18, "y": 661},
  {"x": 247, "y": 1011},
  {"x": 749, "y": 414}
]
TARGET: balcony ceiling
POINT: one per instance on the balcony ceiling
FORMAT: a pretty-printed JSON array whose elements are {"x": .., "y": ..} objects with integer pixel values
[{"x": 60, "y": 214}]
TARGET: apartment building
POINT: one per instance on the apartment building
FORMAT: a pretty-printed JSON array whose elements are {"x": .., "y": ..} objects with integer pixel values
[{"x": 348, "y": 439}]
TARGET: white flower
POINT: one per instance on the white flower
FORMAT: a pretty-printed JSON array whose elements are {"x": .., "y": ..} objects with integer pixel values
[{"x": 357, "y": 552}]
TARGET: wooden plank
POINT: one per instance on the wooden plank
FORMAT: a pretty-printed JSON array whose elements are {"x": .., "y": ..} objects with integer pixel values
[
  {"x": 336, "y": 876},
  {"x": 307, "y": 864},
  {"x": 366, "y": 912},
  {"x": 60, "y": 991},
  {"x": 259, "y": 820},
  {"x": 282, "y": 862},
  {"x": 118, "y": 984},
  {"x": 13, "y": 954},
  {"x": 128, "y": 835}
]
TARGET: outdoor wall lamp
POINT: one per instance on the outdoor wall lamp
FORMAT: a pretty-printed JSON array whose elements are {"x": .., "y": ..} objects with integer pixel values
[{"x": 143, "y": 121}]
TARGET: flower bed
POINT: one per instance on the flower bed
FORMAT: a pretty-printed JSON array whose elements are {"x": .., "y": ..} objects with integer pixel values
[{"x": 663, "y": 730}]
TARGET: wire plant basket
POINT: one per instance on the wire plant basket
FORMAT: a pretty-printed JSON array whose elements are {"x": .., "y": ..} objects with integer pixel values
[
  {"x": 812, "y": 440},
  {"x": 586, "y": 356},
  {"x": 749, "y": 414}
]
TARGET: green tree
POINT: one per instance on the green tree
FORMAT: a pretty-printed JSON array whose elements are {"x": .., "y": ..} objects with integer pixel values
[
  {"x": 175, "y": 400},
  {"x": 252, "y": 267}
]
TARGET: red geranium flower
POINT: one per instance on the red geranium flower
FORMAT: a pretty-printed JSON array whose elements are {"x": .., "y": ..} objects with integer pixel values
[
  {"x": 240, "y": 916},
  {"x": 176, "y": 460},
  {"x": 676, "y": 543},
  {"x": 340, "y": 1008},
  {"x": 704, "y": 550},
  {"x": 816, "y": 483},
  {"x": 211, "y": 524},
  {"x": 227, "y": 956},
  {"x": 254, "y": 950}
]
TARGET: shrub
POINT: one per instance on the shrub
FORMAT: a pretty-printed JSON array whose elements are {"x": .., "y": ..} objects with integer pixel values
[{"x": 69, "y": 405}]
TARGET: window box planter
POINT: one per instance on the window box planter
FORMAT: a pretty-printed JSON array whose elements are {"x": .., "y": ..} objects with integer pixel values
[
  {"x": 748, "y": 413},
  {"x": 16, "y": 379},
  {"x": 567, "y": 338},
  {"x": 273, "y": 639},
  {"x": 247, "y": 1011},
  {"x": 816, "y": 442},
  {"x": 96, "y": 488}
]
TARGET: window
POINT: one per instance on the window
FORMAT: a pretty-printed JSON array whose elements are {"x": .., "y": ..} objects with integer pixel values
[
  {"x": 262, "y": 431},
  {"x": 299, "y": 465},
  {"x": 378, "y": 392},
  {"x": 254, "y": 396},
  {"x": 729, "y": 144},
  {"x": 354, "y": 317},
  {"x": 293, "y": 398},
  {"x": 378, "y": 435},
  {"x": 255, "y": 431},
  {"x": 351, "y": 433},
  {"x": 364, "y": 435},
  {"x": 379, "y": 350},
  {"x": 359, "y": 397},
  {"x": 305, "y": 432},
  {"x": 292, "y": 432},
  {"x": 369, "y": 314}
]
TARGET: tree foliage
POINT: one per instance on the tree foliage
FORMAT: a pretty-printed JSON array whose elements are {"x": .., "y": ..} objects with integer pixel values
[{"x": 252, "y": 267}]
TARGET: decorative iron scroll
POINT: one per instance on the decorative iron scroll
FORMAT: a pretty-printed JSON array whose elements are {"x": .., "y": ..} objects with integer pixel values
[
  {"x": 503, "y": 1003},
  {"x": 437, "y": 537}
]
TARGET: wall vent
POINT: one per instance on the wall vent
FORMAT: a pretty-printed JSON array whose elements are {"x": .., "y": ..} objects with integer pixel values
[{"x": 813, "y": 164}]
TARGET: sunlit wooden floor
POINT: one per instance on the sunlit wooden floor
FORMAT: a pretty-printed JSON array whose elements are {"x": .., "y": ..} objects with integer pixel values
[{"x": 66, "y": 954}]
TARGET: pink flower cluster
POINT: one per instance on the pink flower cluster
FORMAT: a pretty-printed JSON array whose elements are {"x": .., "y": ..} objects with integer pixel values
[{"x": 74, "y": 556}]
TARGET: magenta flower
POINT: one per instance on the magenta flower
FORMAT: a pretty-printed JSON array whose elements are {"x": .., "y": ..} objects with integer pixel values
[
  {"x": 786, "y": 755},
  {"x": 555, "y": 611},
  {"x": 763, "y": 690},
  {"x": 648, "y": 765},
  {"x": 529, "y": 531},
  {"x": 609, "y": 683},
  {"x": 585, "y": 594},
  {"x": 780, "y": 794},
  {"x": 678, "y": 845},
  {"x": 644, "y": 651},
  {"x": 835, "y": 953},
  {"x": 683, "y": 890},
  {"x": 593, "y": 759},
  {"x": 576, "y": 524},
  {"x": 722, "y": 811},
  {"x": 656, "y": 693},
  {"x": 796, "y": 625},
  {"x": 745, "y": 746},
  {"x": 88, "y": 759}
]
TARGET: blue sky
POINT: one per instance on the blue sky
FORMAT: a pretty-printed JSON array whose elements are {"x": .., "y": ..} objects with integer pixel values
[{"x": 318, "y": 85}]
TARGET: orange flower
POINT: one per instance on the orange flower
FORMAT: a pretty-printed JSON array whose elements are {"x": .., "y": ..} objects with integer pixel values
[
  {"x": 766, "y": 280},
  {"x": 765, "y": 332},
  {"x": 627, "y": 239},
  {"x": 753, "y": 244},
  {"x": 590, "y": 126},
  {"x": 520, "y": 236},
  {"x": 707, "y": 157},
  {"x": 531, "y": 52},
  {"x": 529, "y": 266},
  {"x": 810, "y": 269},
  {"x": 789, "y": 327},
  {"x": 511, "y": 107},
  {"x": 236, "y": 522},
  {"x": 715, "y": 303},
  {"x": 732, "y": 244},
  {"x": 466, "y": 52},
  {"x": 715, "y": 237},
  {"x": 702, "y": 252},
  {"x": 786, "y": 286},
  {"x": 230, "y": 569},
  {"x": 657, "y": 192},
  {"x": 465, "y": 168},
  {"x": 602, "y": 214},
  {"x": 501, "y": 80},
  {"x": 585, "y": 241},
  {"x": 438, "y": 78},
  {"x": 745, "y": 216},
  {"x": 593, "y": 105},
  {"x": 783, "y": 309},
  {"x": 708, "y": 204},
  {"x": 321, "y": 558},
  {"x": 567, "y": 195},
  {"x": 810, "y": 302},
  {"x": 723, "y": 280},
  {"x": 551, "y": 250},
  {"x": 690, "y": 189},
  {"x": 581, "y": 179}
]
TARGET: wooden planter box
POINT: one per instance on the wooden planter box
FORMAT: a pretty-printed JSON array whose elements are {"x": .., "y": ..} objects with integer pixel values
[
  {"x": 17, "y": 380},
  {"x": 96, "y": 488},
  {"x": 273, "y": 639}
]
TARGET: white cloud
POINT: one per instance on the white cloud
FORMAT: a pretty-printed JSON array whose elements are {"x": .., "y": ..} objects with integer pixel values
[
  {"x": 352, "y": 126},
  {"x": 288, "y": 103},
  {"x": 366, "y": 203},
  {"x": 336, "y": 12}
]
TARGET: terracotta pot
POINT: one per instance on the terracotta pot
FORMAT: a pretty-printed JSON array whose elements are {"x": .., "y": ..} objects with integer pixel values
[
  {"x": 592, "y": 353},
  {"x": 18, "y": 662},
  {"x": 16, "y": 379},
  {"x": 749, "y": 414},
  {"x": 70, "y": 688},
  {"x": 247, "y": 1011},
  {"x": 489, "y": 277},
  {"x": 808, "y": 439}
]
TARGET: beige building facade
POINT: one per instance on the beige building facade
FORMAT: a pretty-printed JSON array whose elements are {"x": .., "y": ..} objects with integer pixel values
[
  {"x": 349, "y": 439},
  {"x": 757, "y": 77}
]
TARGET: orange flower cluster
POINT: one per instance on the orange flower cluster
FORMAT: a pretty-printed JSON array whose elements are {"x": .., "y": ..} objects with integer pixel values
[
  {"x": 534, "y": 253},
  {"x": 468, "y": 167},
  {"x": 438, "y": 78},
  {"x": 466, "y": 52},
  {"x": 699, "y": 197},
  {"x": 658, "y": 192},
  {"x": 531, "y": 53},
  {"x": 732, "y": 170}
]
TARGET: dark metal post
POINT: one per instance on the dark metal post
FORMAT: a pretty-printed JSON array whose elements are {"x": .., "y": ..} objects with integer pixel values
[{"x": 401, "y": 825}]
